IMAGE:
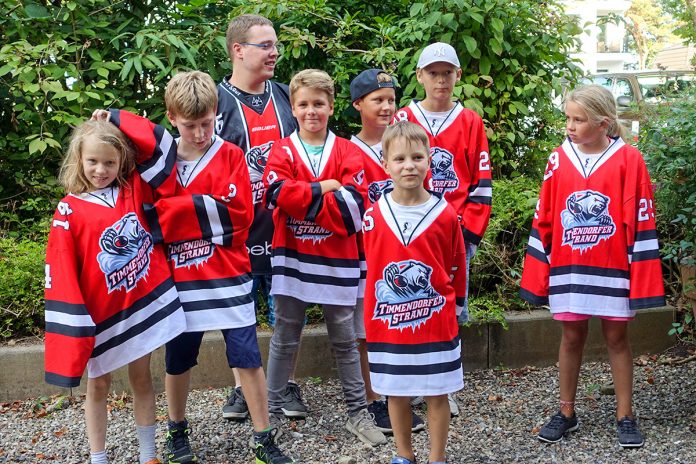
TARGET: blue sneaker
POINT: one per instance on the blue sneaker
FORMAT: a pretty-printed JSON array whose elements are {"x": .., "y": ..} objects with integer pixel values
[{"x": 400, "y": 460}]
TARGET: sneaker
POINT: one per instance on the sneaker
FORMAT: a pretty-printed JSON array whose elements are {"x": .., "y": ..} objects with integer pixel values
[
  {"x": 454, "y": 408},
  {"x": 178, "y": 448},
  {"x": 266, "y": 451},
  {"x": 380, "y": 411},
  {"x": 400, "y": 460},
  {"x": 416, "y": 400},
  {"x": 277, "y": 422},
  {"x": 629, "y": 435},
  {"x": 236, "y": 407},
  {"x": 294, "y": 406},
  {"x": 557, "y": 427},
  {"x": 362, "y": 425}
]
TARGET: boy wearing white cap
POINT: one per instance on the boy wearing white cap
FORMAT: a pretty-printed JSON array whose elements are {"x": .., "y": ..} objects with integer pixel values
[{"x": 460, "y": 166}]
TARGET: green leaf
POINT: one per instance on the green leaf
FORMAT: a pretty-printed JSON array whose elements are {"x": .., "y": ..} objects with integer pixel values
[
  {"x": 35, "y": 11},
  {"x": 469, "y": 43},
  {"x": 497, "y": 25},
  {"x": 103, "y": 72},
  {"x": 484, "y": 65},
  {"x": 37, "y": 145},
  {"x": 415, "y": 9},
  {"x": 5, "y": 69}
]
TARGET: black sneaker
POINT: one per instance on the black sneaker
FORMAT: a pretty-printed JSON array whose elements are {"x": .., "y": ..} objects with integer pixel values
[
  {"x": 380, "y": 410},
  {"x": 266, "y": 451},
  {"x": 294, "y": 406},
  {"x": 178, "y": 448},
  {"x": 236, "y": 407},
  {"x": 557, "y": 427},
  {"x": 629, "y": 435}
]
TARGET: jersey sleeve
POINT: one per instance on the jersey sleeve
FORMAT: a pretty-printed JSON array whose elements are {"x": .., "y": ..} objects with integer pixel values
[
  {"x": 299, "y": 199},
  {"x": 646, "y": 286},
  {"x": 343, "y": 209},
  {"x": 156, "y": 150},
  {"x": 537, "y": 262},
  {"x": 476, "y": 210},
  {"x": 223, "y": 216},
  {"x": 70, "y": 330},
  {"x": 459, "y": 275}
]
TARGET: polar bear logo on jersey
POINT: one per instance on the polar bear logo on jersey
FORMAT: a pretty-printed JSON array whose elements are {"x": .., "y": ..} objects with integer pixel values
[
  {"x": 376, "y": 189},
  {"x": 405, "y": 296},
  {"x": 586, "y": 208},
  {"x": 256, "y": 159},
  {"x": 586, "y": 220},
  {"x": 125, "y": 255},
  {"x": 442, "y": 168}
]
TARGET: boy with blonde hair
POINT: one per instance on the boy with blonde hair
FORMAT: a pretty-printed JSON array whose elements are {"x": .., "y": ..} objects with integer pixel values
[
  {"x": 315, "y": 185},
  {"x": 460, "y": 166},
  {"x": 204, "y": 218},
  {"x": 416, "y": 279}
]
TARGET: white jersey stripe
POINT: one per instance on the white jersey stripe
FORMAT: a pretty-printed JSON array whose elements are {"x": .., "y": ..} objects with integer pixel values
[
  {"x": 352, "y": 207},
  {"x": 72, "y": 320},
  {"x": 214, "y": 220},
  {"x": 165, "y": 145}
]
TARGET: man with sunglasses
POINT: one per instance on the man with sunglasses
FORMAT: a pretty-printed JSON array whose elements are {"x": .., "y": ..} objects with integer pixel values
[{"x": 253, "y": 112}]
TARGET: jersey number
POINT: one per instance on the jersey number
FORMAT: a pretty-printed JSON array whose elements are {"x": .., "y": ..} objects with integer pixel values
[
  {"x": 552, "y": 165},
  {"x": 368, "y": 221},
  {"x": 485, "y": 162},
  {"x": 645, "y": 209},
  {"x": 47, "y": 272},
  {"x": 64, "y": 210}
]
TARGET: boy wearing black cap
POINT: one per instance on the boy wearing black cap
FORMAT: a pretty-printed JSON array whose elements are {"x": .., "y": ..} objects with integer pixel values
[
  {"x": 460, "y": 166},
  {"x": 373, "y": 93}
]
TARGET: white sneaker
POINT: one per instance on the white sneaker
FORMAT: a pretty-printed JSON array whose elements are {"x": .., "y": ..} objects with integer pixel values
[
  {"x": 454, "y": 409},
  {"x": 362, "y": 425}
]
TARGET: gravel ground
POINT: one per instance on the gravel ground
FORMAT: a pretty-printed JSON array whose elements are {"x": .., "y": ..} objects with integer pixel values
[{"x": 501, "y": 411}]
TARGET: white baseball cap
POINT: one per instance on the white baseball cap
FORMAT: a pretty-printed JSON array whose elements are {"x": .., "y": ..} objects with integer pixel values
[{"x": 438, "y": 52}]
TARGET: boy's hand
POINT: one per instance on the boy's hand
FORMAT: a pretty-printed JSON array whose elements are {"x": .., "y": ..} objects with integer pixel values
[
  {"x": 329, "y": 185},
  {"x": 101, "y": 115}
]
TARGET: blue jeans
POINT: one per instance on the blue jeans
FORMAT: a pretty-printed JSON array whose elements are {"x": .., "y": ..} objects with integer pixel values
[
  {"x": 262, "y": 283},
  {"x": 470, "y": 250}
]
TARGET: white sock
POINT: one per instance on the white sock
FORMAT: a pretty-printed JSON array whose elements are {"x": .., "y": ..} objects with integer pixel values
[
  {"x": 98, "y": 457},
  {"x": 146, "y": 442}
]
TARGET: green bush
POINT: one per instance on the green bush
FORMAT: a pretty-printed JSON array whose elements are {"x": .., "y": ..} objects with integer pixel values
[
  {"x": 21, "y": 287},
  {"x": 497, "y": 266}
]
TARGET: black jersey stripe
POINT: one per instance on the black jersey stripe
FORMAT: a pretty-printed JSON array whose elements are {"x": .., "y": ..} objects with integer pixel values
[
  {"x": 345, "y": 213},
  {"x": 317, "y": 202},
  {"x": 202, "y": 216},
  {"x": 153, "y": 221},
  {"x": 61, "y": 380},
  {"x": 70, "y": 330},
  {"x": 647, "y": 302},
  {"x": 536, "y": 300},
  {"x": 225, "y": 223},
  {"x": 422, "y": 369},
  {"x": 589, "y": 270},
  {"x": 646, "y": 255},
  {"x": 74, "y": 309},
  {"x": 417, "y": 348},
  {"x": 213, "y": 283},
  {"x": 218, "y": 303},
  {"x": 314, "y": 259},
  {"x": 567, "y": 289},
  {"x": 316, "y": 279}
]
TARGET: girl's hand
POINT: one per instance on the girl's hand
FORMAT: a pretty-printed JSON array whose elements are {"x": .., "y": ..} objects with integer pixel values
[{"x": 101, "y": 115}]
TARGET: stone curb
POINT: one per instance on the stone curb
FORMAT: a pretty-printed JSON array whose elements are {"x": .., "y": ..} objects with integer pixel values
[{"x": 531, "y": 339}]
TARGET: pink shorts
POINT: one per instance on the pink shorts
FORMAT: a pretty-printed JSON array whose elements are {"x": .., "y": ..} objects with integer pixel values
[{"x": 574, "y": 317}]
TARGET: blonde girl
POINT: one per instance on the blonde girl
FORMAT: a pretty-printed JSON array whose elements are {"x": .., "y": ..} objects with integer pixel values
[
  {"x": 110, "y": 300},
  {"x": 593, "y": 251}
]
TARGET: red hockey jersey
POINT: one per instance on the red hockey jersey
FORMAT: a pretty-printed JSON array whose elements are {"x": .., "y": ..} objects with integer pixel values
[
  {"x": 253, "y": 123},
  {"x": 593, "y": 246},
  {"x": 460, "y": 166},
  {"x": 110, "y": 298},
  {"x": 315, "y": 254},
  {"x": 415, "y": 290},
  {"x": 204, "y": 219}
]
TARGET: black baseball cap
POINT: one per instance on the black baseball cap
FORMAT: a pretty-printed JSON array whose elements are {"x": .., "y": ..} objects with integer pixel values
[{"x": 367, "y": 82}]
